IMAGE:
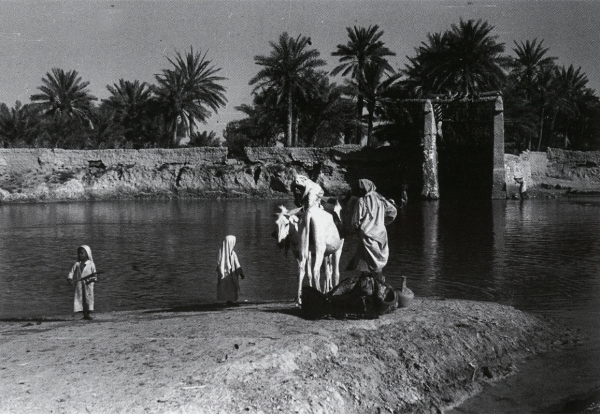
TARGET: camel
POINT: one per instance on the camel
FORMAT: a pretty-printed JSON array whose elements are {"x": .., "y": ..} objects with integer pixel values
[{"x": 311, "y": 233}]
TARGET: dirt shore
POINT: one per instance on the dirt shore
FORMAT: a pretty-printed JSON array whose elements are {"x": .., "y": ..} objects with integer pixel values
[{"x": 265, "y": 358}]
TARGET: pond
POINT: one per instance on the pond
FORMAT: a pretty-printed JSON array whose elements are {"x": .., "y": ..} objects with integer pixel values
[{"x": 539, "y": 255}]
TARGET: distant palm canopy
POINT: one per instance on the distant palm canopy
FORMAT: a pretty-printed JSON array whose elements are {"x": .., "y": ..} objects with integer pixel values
[
  {"x": 189, "y": 91},
  {"x": 296, "y": 102},
  {"x": 466, "y": 59},
  {"x": 64, "y": 93},
  {"x": 289, "y": 73}
]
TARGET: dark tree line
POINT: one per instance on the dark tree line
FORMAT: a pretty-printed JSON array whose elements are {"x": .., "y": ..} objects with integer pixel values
[
  {"x": 297, "y": 103},
  {"x": 135, "y": 115}
]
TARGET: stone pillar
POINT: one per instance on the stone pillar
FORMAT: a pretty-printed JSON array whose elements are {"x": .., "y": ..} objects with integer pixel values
[
  {"x": 363, "y": 140},
  {"x": 499, "y": 178},
  {"x": 430, "y": 189}
]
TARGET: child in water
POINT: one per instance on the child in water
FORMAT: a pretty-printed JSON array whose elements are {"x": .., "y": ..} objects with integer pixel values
[
  {"x": 229, "y": 271},
  {"x": 84, "y": 272}
]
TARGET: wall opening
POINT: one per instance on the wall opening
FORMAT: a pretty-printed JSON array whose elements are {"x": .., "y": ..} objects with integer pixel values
[{"x": 466, "y": 150}]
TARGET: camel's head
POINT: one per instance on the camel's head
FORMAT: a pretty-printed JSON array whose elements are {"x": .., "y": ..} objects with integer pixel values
[
  {"x": 285, "y": 221},
  {"x": 282, "y": 226},
  {"x": 337, "y": 211}
]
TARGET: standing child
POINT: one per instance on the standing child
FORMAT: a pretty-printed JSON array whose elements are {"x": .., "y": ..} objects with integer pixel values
[
  {"x": 229, "y": 271},
  {"x": 84, "y": 272}
]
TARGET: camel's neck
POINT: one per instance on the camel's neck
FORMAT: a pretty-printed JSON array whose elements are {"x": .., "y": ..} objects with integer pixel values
[{"x": 294, "y": 238}]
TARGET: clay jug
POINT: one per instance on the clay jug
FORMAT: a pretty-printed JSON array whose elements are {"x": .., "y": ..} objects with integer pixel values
[{"x": 405, "y": 295}]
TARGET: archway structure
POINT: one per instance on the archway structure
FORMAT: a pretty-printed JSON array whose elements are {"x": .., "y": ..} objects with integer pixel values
[{"x": 485, "y": 169}]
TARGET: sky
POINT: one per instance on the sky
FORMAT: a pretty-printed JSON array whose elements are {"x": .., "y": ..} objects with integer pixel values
[{"x": 106, "y": 40}]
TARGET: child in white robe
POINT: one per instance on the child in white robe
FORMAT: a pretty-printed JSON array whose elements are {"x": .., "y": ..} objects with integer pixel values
[
  {"x": 84, "y": 273},
  {"x": 229, "y": 271}
]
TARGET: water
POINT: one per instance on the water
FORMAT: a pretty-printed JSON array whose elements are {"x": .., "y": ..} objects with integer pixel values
[{"x": 541, "y": 256}]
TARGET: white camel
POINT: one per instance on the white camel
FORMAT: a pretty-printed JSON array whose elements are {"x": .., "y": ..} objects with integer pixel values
[{"x": 311, "y": 233}]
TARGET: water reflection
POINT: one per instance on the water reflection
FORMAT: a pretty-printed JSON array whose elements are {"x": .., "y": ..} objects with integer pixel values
[{"x": 431, "y": 247}]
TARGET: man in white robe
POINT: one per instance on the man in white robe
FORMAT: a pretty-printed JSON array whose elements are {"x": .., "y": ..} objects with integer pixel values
[{"x": 372, "y": 213}]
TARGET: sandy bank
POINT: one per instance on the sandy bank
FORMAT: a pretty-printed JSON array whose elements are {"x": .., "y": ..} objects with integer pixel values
[{"x": 265, "y": 358}]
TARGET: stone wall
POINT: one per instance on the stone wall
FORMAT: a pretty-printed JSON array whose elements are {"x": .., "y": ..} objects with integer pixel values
[
  {"x": 46, "y": 175},
  {"x": 574, "y": 165},
  {"x": 25, "y": 159},
  {"x": 555, "y": 169}
]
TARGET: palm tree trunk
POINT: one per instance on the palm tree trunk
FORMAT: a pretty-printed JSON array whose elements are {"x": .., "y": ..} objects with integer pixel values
[
  {"x": 359, "y": 111},
  {"x": 175, "y": 132},
  {"x": 290, "y": 113},
  {"x": 553, "y": 123},
  {"x": 370, "y": 128},
  {"x": 541, "y": 129},
  {"x": 295, "y": 128}
]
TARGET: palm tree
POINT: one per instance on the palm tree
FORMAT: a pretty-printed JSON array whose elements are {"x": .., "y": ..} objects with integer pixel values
[
  {"x": 65, "y": 94},
  {"x": 466, "y": 59},
  {"x": 189, "y": 91},
  {"x": 17, "y": 124},
  {"x": 419, "y": 79},
  {"x": 529, "y": 61},
  {"x": 372, "y": 85},
  {"x": 570, "y": 89},
  {"x": 327, "y": 116},
  {"x": 265, "y": 118},
  {"x": 476, "y": 57},
  {"x": 584, "y": 133},
  {"x": 545, "y": 93},
  {"x": 364, "y": 46},
  {"x": 204, "y": 139},
  {"x": 128, "y": 99},
  {"x": 288, "y": 71},
  {"x": 107, "y": 132},
  {"x": 520, "y": 119},
  {"x": 129, "y": 102}
]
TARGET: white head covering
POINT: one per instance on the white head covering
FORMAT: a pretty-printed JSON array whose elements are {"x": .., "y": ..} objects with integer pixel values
[
  {"x": 228, "y": 260},
  {"x": 366, "y": 185},
  {"x": 370, "y": 197},
  {"x": 88, "y": 251},
  {"x": 312, "y": 190}
]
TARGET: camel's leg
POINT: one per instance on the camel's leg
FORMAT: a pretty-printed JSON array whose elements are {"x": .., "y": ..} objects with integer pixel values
[
  {"x": 328, "y": 273},
  {"x": 309, "y": 273},
  {"x": 301, "y": 271},
  {"x": 314, "y": 235},
  {"x": 335, "y": 264},
  {"x": 317, "y": 267}
]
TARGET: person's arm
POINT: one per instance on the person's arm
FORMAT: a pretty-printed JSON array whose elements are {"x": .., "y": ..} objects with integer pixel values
[
  {"x": 237, "y": 266},
  {"x": 93, "y": 278},
  {"x": 390, "y": 212},
  {"x": 356, "y": 220},
  {"x": 71, "y": 273}
]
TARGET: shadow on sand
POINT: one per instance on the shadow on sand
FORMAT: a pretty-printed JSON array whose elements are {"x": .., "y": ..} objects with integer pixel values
[
  {"x": 291, "y": 310},
  {"x": 264, "y": 306},
  {"x": 210, "y": 307},
  {"x": 31, "y": 321}
]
